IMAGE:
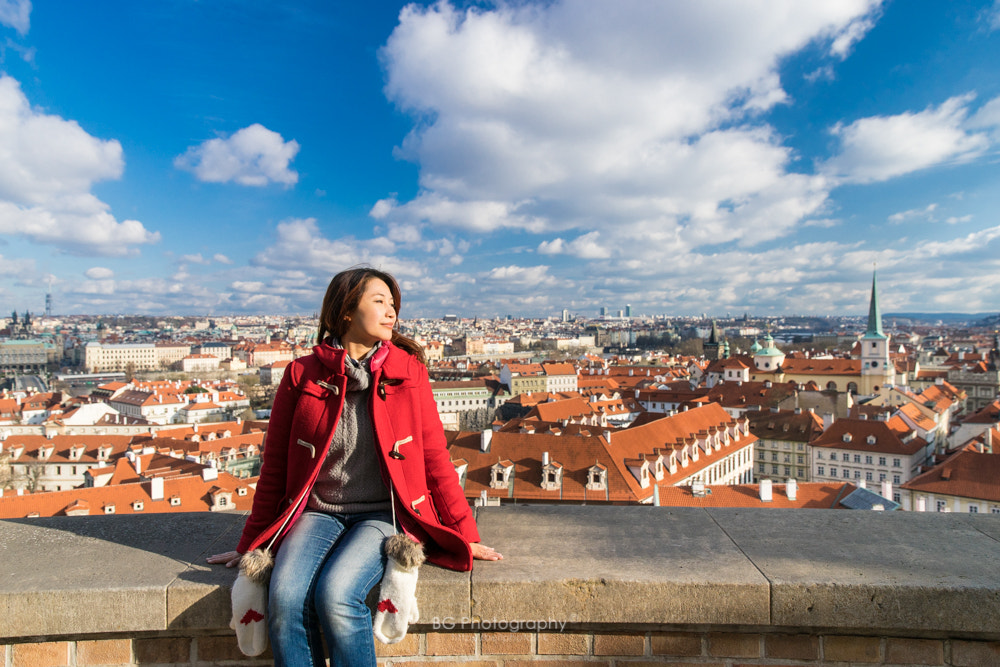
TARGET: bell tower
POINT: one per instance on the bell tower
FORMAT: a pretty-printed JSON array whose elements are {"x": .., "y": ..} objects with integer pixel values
[{"x": 877, "y": 369}]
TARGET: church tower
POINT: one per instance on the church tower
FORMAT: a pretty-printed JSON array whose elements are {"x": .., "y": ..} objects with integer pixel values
[{"x": 877, "y": 369}]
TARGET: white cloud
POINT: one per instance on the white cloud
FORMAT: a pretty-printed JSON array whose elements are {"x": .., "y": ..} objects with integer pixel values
[
  {"x": 926, "y": 213},
  {"x": 193, "y": 259},
  {"x": 992, "y": 16},
  {"x": 16, "y": 14},
  {"x": 99, "y": 273},
  {"x": 520, "y": 276},
  {"x": 221, "y": 259},
  {"x": 637, "y": 120},
  {"x": 883, "y": 147},
  {"x": 253, "y": 156},
  {"x": 47, "y": 168},
  {"x": 588, "y": 246},
  {"x": 953, "y": 220},
  {"x": 10, "y": 266}
]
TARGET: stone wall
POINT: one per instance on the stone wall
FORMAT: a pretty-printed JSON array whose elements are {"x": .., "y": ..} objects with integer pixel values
[{"x": 578, "y": 585}]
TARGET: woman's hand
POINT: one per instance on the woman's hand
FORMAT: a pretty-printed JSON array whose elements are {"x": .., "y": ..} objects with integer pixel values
[
  {"x": 483, "y": 552},
  {"x": 230, "y": 558}
]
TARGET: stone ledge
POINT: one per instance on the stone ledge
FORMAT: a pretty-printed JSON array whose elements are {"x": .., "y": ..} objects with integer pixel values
[{"x": 908, "y": 574}]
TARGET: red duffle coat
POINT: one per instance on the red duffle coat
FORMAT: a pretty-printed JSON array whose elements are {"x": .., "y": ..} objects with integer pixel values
[{"x": 430, "y": 503}]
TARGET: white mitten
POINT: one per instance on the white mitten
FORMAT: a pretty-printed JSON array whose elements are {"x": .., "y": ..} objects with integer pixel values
[
  {"x": 397, "y": 600},
  {"x": 249, "y": 599}
]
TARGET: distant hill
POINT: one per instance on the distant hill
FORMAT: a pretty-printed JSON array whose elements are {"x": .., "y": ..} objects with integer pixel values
[{"x": 972, "y": 319}]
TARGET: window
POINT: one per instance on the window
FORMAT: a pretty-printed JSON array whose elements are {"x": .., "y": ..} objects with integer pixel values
[
  {"x": 819, "y": 455},
  {"x": 846, "y": 474},
  {"x": 897, "y": 463},
  {"x": 175, "y": 501},
  {"x": 941, "y": 505},
  {"x": 788, "y": 458},
  {"x": 857, "y": 458},
  {"x": 820, "y": 471},
  {"x": 833, "y": 472},
  {"x": 109, "y": 509},
  {"x": 760, "y": 455},
  {"x": 881, "y": 477},
  {"x": 973, "y": 509},
  {"x": 788, "y": 471},
  {"x": 857, "y": 474},
  {"x": 869, "y": 476},
  {"x": 774, "y": 470},
  {"x": 137, "y": 506},
  {"x": 833, "y": 456},
  {"x": 881, "y": 460},
  {"x": 995, "y": 510},
  {"x": 868, "y": 460},
  {"x": 762, "y": 468},
  {"x": 774, "y": 456},
  {"x": 895, "y": 479},
  {"x": 801, "y": 459}
]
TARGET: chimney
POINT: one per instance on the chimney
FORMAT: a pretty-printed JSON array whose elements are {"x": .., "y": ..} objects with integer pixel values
[
  {"x": 765, "y": 490},
  {"x": 486, "y": 437},
  {"x": 862, "y": 484},
  {"x": 545, "y": 458},
  {"x": 828, "y": 419},
  {"x": 791, "y": 488},
  {"x": 138, "y": 465},
  {"x": 156, "y": 488},
  {"x": 209, "y": 474},
  {"x": 887, "y": 489},
  {"x": 607, "y": 436}
]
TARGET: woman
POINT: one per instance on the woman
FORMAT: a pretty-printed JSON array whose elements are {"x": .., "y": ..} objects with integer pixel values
[{"x": 354, "y": 445}]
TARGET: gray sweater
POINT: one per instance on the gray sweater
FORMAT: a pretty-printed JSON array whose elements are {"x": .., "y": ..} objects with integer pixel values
[{"x": 350, "y": 480}]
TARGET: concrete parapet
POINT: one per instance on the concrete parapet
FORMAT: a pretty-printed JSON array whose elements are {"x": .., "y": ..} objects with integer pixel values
[{"x": 597, "y": 584}]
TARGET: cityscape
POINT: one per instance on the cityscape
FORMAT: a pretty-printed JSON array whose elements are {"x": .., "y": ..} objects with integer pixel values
[{"x": 615, "y": 409}]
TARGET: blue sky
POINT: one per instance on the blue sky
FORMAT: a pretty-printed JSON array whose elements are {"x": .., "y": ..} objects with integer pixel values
[{"x": 227, "y": 157}]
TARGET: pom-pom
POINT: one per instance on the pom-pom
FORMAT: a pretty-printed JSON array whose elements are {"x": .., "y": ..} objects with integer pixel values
[
  {"x": 256, "y": 565},
  {"x": 407, "y": 552}
]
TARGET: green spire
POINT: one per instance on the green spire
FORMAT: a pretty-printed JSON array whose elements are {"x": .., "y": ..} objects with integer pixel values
[{"x": 874, "y": 313}]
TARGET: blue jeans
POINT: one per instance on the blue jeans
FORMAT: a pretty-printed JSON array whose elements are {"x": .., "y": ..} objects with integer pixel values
[{"x": 322, "y": 574}]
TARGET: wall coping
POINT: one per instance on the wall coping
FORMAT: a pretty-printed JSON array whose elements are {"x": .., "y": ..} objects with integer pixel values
[{"x": 901, "y": 573}]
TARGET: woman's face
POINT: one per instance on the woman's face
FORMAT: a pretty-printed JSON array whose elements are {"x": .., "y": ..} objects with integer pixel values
[{"x": 374, "y": 317}]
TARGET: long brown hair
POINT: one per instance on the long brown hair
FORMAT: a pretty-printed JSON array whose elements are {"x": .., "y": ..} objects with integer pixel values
[{"x": 342, "y": 298}]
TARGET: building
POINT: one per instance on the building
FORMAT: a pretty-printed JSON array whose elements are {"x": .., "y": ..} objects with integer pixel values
[
  {"x": 128, "y": 357},
  {"x": 783, "y": 448},
  {"x": 870, "y": 451},
  {"x": 965, "y": 482},
  {"x": 25, "y": 356}
]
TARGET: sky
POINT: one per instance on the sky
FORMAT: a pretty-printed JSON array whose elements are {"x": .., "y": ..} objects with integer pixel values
[{"x": 220, "y": 157}]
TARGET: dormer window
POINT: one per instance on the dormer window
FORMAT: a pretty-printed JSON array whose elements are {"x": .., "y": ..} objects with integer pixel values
[
  {"x": 500, "y": 474},
  {"x": 109, "y": 509},
  {"x": 552, "y": 476},
  {"x": 137, "y": 506},
  {"x": 175, "y": 501},
  {"x": 871, "y": 440},
  {"x": 597, "y": 478},
  {"x": 242, "y": 491},
  {"x": 848, "y": 437}
]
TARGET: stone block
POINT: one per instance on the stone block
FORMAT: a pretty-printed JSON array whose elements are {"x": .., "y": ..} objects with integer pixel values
[
  {"x": 218, "y": 649},
  {"x": 914, "y": 651},
  {"x": 408, "y": 646},
  {"x": 851, "y": 649},
  {"x": 733, "y": 645},
  {"x": 975, "y": 654},
  {"x": 842, "y": 571},
  {"x": 43, "y": 654},
  {"x": 507, "y": 643},
  {"x": 791, "y": 647},
  {"x": 162, "y": 650},
  {"x": 563, "y": 643},
  {"x": 619, "y": 644},
  {"x": 451, "y": 643},
  {"x": 104, "y": 652},
  {"x": 676, "y": 643},
  {"x": 591, "y": 564}
]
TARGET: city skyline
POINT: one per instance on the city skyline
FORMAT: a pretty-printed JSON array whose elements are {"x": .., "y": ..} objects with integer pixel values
[{"x": 227, "y": 158}]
